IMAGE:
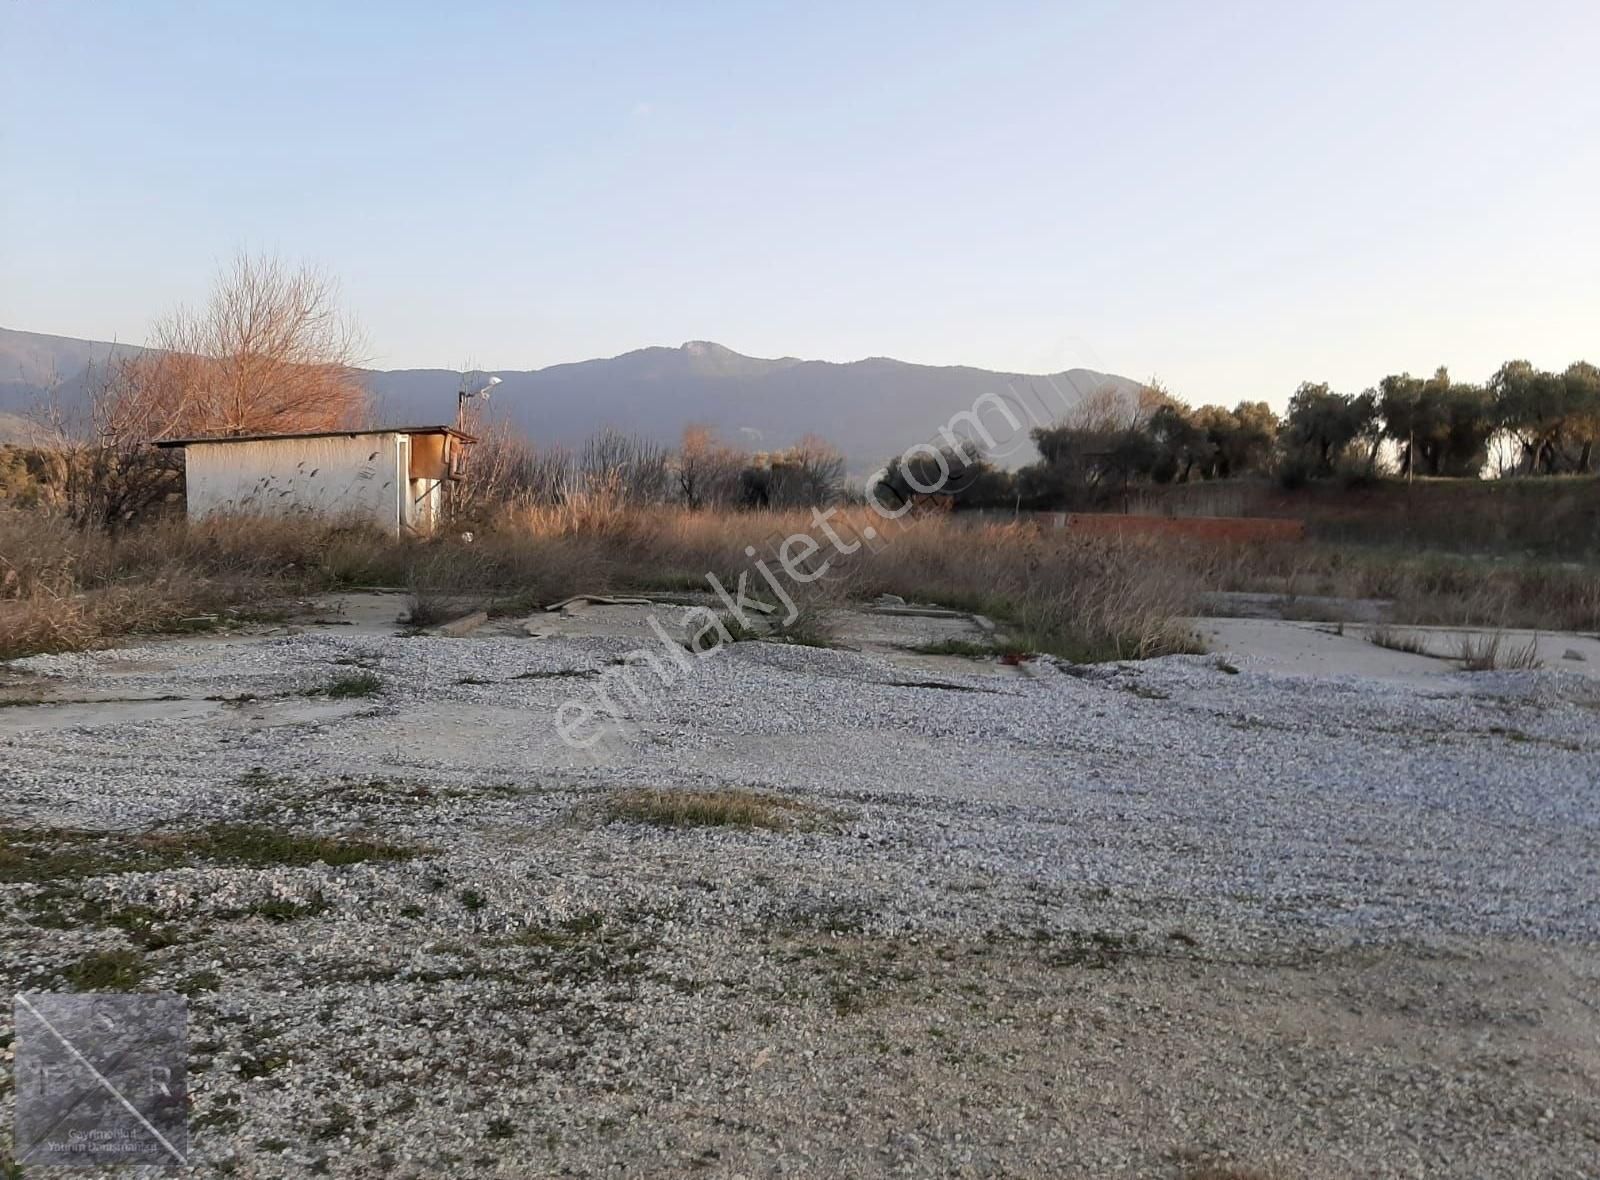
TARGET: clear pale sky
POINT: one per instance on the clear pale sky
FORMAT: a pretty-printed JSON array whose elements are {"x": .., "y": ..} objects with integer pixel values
[{"x": 1234, "y": 197}]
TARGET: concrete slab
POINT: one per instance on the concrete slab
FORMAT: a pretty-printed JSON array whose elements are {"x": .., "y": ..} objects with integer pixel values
[{"x": 1330, "y": 649}]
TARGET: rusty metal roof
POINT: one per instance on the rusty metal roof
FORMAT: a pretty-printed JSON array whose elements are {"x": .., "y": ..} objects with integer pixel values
[{"x": 243, "y": 438}]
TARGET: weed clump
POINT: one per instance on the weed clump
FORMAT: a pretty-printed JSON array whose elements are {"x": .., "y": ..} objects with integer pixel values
[
  {"x": 728, "y": 807},
  {"x": 361, "y": 683},
  {"x": 1488, "y": 653},
  {"x": 958, "y": 647},
  {"x": 729, "y": 628},
  {"x": 116, "y": 971},
  {"x": 1387, "y": 637}
]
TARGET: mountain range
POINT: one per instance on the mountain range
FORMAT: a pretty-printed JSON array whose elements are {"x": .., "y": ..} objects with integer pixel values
[{"x": 870, "y": 409}]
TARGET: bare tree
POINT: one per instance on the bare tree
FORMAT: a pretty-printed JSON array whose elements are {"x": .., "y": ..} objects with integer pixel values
[
  {"x": 808, "y": 474},
  {"x": 818, "y": 468},
  {"x": 506, "y": 469},
  {"x": 707, "y": 469},
  {"x": 110, "y": 474},
  {"x": 271, "y": 352},
  {"x": 625, "y": 467}
]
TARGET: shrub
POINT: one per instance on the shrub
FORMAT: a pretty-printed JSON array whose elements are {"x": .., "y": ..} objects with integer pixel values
[
  {"x": 1487, "y": 653},
  {"x": 362, "y": 683}
]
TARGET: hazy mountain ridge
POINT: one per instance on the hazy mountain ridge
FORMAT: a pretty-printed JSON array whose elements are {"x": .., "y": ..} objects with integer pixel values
[
  {"x": 870, "y": 408},
  {"x": 33, "y": 364}
]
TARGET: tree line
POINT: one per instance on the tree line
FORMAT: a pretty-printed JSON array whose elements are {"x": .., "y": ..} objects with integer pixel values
[
  {"x": 271, "y": 351},
  {"x": 1537, "y": 422},
  {"x": 702, "y": 473}
]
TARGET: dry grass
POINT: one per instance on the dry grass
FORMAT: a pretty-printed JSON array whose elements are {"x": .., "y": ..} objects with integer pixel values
[
  {"x": 1425, "y": 588},
  {"x": 1488, "y": 653},
  {"x": 64, "y": 589},
  {"x": 725, "y": 808},
  {"x": 814, "y": 623},
  {"x": 425, "y": 609},
  {"x": 1386, "y": 636},
  {"x": 1081, "y": 598},
  {"x": 729, "y": 625},
  {"x": 1553, "y": 516},
  {"x": 1084, "y": 599}
]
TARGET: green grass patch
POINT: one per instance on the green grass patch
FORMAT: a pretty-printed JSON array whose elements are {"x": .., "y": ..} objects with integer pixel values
[
  {"x": 968, "y": 648},
  {"x": 1045, "y": 626},
  {"x": 278, "y": 909},
  {"x": 38, "y": 855},
  {"x": 144, "y": 927},
  {"x": 1090, "y": 646},
  {"x": 42, "y": 855},
  {"x": 259, "y": 846},
  {"x": 360, "y": 683},
  {"x": 115, "y": 971},
  {"x": 568, "y": 933}
]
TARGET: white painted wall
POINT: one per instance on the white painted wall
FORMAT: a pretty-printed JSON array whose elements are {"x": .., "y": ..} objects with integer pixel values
[
  {"x": 427, "y": 504},
  {"x": 362, "y": 476}
]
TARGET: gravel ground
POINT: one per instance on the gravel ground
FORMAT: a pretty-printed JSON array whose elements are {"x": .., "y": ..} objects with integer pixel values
[{"x": 1124, "y": 921}]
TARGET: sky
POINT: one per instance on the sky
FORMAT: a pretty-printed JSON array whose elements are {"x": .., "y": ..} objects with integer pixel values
[{"x": 1233, "y": 198}]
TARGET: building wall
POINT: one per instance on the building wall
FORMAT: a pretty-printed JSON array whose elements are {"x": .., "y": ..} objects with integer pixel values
[
  {"x": 361, "y": 476},
  {"x": 426, "y": 504}
]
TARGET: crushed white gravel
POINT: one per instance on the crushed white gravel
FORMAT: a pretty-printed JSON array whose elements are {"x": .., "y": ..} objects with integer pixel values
[{"x": 1019, "y": 859}]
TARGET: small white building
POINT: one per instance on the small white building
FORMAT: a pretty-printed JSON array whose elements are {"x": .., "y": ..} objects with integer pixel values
[{"x": 392, "y": 476}]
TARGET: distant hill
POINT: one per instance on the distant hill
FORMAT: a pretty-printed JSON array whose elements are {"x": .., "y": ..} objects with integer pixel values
[
  {"x": 33, "y": 364},
  {"x": 15, "y": 429},
  {"x": 871, "y": 409}
]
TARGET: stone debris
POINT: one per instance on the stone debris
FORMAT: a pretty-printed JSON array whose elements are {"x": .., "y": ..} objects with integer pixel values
[
  {"x": 579, "y": 601},
  {"x": 1061, "y": 924}
]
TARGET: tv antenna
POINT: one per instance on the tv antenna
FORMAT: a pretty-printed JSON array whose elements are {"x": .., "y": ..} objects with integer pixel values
[{"x": 474, "y": 384}]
